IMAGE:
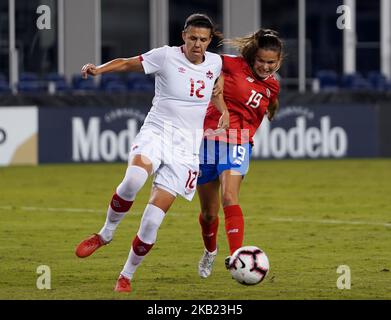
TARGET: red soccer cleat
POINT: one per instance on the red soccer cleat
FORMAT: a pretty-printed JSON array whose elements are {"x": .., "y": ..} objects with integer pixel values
[
  {"x": 123, "y": 284},
  {"x": 89, "y": 245}
]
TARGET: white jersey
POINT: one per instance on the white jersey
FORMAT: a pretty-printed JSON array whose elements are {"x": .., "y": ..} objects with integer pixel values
[{"x": 182, "y": 94}]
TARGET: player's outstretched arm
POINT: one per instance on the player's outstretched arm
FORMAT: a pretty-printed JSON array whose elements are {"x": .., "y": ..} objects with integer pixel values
[{"x": 117, "y": 65}]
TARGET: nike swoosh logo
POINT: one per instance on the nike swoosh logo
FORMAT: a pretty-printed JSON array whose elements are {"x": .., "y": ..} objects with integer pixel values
[{"x": 243, "y": 264}]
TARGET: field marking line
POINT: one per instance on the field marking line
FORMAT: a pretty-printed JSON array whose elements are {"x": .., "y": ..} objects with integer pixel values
[
  {"x": 300, "y": 220},
  {"x": 46, "y": 209},
  {"x": 275, "y": 219},
  {"x": 50, "y": 209}
]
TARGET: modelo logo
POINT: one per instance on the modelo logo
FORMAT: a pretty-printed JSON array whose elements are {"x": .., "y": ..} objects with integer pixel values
[
  {"x": 89, "y": 143},
  {"x": 301, "y": 142},
  {"x": 3, "y": 136}
]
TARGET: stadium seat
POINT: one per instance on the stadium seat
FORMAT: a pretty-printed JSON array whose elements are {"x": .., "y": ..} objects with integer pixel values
[
  {"x": 108, "y": 77},
  {"x": 352, "y": 80},
  {"x": 28, "y": 76},
  {"x": 78, "y": 83},
  {"x": 140, "y": 82},
  {"x": 59, "y": 80},
  {"x": 142, "y": 85},
  {"x": 30, "y": 86},
  {"x": 361, "y": 84},
  {"x": 62, "y": 86},
  {"x": 328, "y": 80},
  {"x": 115, "y": 86},
  {"x": 4, "y": 87},
  {"x": 3, "y": 78},
  {"x": 53, "y": 76},
  {"x": 377, "y": 80}
]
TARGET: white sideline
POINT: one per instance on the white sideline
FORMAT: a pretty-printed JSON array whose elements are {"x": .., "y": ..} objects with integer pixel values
[
  {"x": 276, "y": 219},
  {"x": 50, "y": 209},
  {"x": 42, "y": 209},
  {"x": 300, "y": 220}
]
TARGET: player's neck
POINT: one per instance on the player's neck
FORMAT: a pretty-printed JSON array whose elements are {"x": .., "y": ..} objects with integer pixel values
[{"x": 192, "y": 60}]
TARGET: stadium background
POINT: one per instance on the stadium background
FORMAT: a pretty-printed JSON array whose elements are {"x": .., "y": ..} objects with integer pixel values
[{"x": 335, "y": 105}]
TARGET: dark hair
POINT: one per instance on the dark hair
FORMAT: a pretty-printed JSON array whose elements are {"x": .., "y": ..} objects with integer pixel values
[
  {"x": 266, "y": 39},
  {"x": 202, "y": 21}
]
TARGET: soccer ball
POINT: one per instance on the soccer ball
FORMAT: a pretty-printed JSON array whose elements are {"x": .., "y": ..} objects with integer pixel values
[{"x": 249, "y": 265}]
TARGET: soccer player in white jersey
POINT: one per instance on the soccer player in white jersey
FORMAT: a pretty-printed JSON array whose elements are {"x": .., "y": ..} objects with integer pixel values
[{"x": 167, "y": 145}]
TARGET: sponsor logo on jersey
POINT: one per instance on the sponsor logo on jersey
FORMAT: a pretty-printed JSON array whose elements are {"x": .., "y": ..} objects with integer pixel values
[
  {"x": 134, "y": 147},
  {"x": 268, "y": 92},
  {"x": 249, "y": 79},
  {"x": 181, "y": 70},
  {"x": 209, "y": 75}
]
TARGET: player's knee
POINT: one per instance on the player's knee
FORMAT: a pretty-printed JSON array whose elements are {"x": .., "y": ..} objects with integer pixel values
[
  {"x": 229, "y": 198},
  {"x": 209, "y": 214},
  {"x": 133, "y": 181}
]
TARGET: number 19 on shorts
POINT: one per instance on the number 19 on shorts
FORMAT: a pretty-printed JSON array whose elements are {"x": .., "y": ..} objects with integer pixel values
[{"x": 238, "y": 153}]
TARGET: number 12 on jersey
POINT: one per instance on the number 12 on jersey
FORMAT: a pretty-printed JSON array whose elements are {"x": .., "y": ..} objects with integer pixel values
[{"x": 198, "y": 91}]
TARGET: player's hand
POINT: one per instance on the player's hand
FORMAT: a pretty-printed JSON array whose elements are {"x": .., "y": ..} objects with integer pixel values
[
  {"x": 88, "y": 69},
  {"x": 270, "y": 113},
  {"x": 223, "y": 121}
]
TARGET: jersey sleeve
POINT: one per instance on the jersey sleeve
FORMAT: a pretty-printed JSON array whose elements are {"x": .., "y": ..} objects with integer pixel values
[
  {"x": 153, "y": 60},
  {"x": 228, "y": 63}
]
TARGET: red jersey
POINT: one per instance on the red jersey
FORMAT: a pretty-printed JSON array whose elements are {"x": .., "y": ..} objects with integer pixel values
[{"x": 247, "y": 98}]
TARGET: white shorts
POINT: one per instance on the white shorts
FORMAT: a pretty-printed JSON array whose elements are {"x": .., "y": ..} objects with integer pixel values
[{"x": 175, "y": 170}]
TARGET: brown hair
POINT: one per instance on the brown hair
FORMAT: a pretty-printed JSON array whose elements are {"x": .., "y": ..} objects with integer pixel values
[
  {"x": 202, "y": 21},
  {"x": 248, "y": 46}
]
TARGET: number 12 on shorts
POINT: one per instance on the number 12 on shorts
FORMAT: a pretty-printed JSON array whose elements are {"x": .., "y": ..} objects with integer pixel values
[{"x": 190, "y": 180}]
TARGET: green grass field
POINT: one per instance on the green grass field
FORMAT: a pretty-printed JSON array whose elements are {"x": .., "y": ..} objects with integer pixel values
[{"x": 309, "y": 216}]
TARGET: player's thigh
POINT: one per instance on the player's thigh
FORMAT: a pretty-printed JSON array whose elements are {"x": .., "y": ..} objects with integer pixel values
[
  {"x": 230, "y": 187},
  {"x": 145, "y": 151},
  {"x": 232, "y": 167},
  {"x": 178, "y": 177},
  {"x": 161, "y": 198},
  {"x": 142, "y": 161},
  {"x": 208, "y": 194}
]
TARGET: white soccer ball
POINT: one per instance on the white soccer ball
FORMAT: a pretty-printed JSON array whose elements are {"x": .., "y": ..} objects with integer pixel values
[{"x": 249, "y": 265}]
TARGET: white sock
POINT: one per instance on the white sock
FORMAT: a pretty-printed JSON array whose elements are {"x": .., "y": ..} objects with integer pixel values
[
  {"x": 133, "y": 181},
  {"x": 112, "y": 221},
  {"x": 147, "y": 233},
  {"x": 131, "y": 264}
]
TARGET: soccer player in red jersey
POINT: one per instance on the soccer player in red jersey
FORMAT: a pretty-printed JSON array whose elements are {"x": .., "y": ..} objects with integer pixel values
[{"x": 250, "y": 91}]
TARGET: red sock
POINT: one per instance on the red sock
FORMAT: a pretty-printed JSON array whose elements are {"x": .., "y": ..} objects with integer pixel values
[
  {"x": 141, "y": 248},
  {"x": 234, "y": 227},
  {"x": 209, "y": 233},
  {"x": 120, "y": 205}
]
